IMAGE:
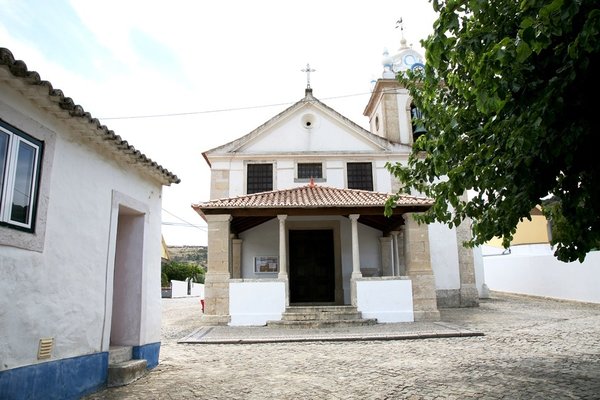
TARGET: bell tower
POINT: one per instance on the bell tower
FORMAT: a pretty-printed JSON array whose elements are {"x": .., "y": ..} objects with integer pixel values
[{"x": 390, "y": 109}]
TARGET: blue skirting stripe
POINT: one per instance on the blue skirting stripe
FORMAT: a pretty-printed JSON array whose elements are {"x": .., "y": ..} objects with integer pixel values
[
  {"x": 149, "y": 352},
  {"x": 69, "y": 378}
]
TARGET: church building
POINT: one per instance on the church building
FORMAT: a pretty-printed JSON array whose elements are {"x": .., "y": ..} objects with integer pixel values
[{"x": 297, "y": 219}]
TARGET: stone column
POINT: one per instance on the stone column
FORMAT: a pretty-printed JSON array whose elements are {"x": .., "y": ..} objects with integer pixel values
[
  {"x": 396, "y": 265},
  {"x": 469, "y": 296},
  {"x": 355, "y": 249},
  {"x": 283, "y": 273},
  {"x": 356, "y": 274},
  {"x": 216, "y": 283},
  {"x": 387, "y": 258},
  {"x": 418, "y": 268},
  {"x": 236, "y": 258},
  {"x": 282, "y": 248},
  {"x": 400, "y": 247}
]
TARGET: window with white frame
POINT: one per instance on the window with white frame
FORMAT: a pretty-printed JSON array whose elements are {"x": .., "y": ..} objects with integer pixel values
[
  {"x": 360, "y": 175},
  {"x": 20, "y": 160},
  {"x": 310, "y": 170},
  {"x": 259, "y": 178}
]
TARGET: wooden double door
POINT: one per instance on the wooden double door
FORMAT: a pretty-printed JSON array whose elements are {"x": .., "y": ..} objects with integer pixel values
[{"x": 312, "y": 266}]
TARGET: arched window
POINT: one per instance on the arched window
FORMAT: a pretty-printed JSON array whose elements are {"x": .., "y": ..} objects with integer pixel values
[{"x": 418, "y": 128}]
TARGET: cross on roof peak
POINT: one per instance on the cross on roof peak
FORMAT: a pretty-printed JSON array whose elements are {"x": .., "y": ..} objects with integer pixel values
[{"x": 308, "y": 70}]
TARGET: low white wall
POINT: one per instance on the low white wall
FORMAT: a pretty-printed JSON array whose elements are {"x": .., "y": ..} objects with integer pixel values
[
  {"x": 387, "y": 299},
  {"x": 253, "y": 303},
  {"x": 180, "y": 289},
  {"x": 544, "y": 275},
  {"x": 197, "y": 290}
]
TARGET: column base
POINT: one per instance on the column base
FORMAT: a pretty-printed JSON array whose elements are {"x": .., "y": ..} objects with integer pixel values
[
  {"x": 353, "y": 296},
  {"x": 215, "y": 320},
  {"x": 426, "y": 315},
  {"x": 424, "y": 298},
  {"x": 485, "y": 292},
  {"x": 469, "y": 296}
]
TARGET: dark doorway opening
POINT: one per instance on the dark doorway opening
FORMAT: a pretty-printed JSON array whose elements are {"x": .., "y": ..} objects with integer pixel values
[{"x": 312, "y": 266}]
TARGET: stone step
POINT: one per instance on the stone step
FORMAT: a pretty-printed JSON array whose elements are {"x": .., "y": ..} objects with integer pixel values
[
  {"x": 117, "y": 354},
  {"x": 123, "y": 373},
  {"x": 322, "y": 323},
  {"x": 321, "y": 316},
  {"x": 311, "y": 309}
]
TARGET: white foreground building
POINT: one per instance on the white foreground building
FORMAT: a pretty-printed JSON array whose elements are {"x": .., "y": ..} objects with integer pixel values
[{"x": 80, "y": 243}]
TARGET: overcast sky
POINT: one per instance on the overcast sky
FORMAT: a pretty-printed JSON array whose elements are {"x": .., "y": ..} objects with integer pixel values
[{"x": 207, "y": 60}]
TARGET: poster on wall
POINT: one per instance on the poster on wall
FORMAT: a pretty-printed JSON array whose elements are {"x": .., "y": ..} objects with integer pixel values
[{"x": 266, "y": 264}]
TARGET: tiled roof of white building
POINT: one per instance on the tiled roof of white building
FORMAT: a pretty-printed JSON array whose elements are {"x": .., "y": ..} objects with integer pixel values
[
  {"x": 43, "y": 91},
  {"x": 312, "y": 196}
]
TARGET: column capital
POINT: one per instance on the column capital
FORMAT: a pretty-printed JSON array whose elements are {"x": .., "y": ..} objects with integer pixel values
[
  {"x": 394, "y": 233},
  {"x": 354, "y": 217},
  {"x": 217, "y": 217},
  {"x": 281, "y": 217}
]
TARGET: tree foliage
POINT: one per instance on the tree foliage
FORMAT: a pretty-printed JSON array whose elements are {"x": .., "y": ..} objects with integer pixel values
[
  {"x": 508, "y": 95},
  {"x": 181, "y": 271}
]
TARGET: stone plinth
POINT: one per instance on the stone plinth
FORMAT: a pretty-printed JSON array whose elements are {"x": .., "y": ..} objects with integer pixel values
[
  {"x": 216, "y": 284},
  {"x": 469, "y": 297},
  {"x": 418, "y": 268}
]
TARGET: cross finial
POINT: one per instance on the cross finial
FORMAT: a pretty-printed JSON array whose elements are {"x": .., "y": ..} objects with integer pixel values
[
  {"x": 400, "y": 24},
  {"x": 308, "y": 70}
]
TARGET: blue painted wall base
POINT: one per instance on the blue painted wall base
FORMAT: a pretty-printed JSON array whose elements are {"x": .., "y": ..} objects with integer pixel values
[
  {"x": 149, "y": 352},
  {"x": 69, "y": 378}
]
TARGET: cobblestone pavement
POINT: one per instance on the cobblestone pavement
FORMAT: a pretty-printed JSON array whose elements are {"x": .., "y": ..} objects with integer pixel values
[{"x": 532, "y": 349}]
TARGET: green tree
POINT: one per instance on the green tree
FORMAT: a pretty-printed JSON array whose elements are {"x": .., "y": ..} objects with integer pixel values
[
  {"x": 180, "y": 271},
  {"x": 508, "y": 95}
]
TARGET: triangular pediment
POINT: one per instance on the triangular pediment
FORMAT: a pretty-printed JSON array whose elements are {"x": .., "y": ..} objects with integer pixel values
[{"x": 308, "y": 126}]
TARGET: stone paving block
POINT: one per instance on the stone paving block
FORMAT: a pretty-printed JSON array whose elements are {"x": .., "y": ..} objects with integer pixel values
[{"x": 532, "y": 349}]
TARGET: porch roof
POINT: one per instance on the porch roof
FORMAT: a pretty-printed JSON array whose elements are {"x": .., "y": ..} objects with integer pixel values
[{"x": 313, "y": 200}]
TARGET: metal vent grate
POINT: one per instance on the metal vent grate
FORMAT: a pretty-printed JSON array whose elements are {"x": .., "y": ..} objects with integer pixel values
[{"x": 45, "y": 348}]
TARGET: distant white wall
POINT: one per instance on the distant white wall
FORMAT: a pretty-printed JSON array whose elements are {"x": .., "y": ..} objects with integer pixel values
[
  {"x": 253, "y": 303},
  {"x": 197, "y": 290},
  {"x": 180, "y": 289},
  {"x": 387, "y": 299},
  {"x": 544, "y": 275}
]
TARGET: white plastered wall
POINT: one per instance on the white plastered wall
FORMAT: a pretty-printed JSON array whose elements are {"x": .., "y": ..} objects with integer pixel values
[
  {"x": 325, "y": 134},
  {"x": 62, "y": 292},
  {"x": 444, "y": 256}
]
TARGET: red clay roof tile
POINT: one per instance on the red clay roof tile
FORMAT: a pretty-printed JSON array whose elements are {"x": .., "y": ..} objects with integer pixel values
[{"x": 312, "y": 197}]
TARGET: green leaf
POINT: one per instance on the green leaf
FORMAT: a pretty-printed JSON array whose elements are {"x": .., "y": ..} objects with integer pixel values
[{"x": 523, "y": 51}]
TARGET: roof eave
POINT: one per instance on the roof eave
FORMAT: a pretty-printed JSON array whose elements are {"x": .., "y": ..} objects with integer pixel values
[{"x": 56, "y": 103}]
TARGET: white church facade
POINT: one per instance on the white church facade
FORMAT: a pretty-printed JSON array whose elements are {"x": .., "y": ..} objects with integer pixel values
[{"x": 297, "y": 218}]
